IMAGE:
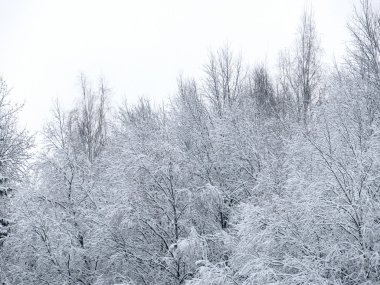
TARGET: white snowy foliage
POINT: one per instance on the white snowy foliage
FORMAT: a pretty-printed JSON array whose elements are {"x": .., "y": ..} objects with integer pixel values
[{"x": 242, "y": 179}]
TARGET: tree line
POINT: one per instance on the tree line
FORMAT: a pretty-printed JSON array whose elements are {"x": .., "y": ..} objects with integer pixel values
[{"x": 246, "y": 176}]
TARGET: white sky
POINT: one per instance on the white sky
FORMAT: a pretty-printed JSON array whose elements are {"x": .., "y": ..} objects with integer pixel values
[{"x": 141, "y": 46}]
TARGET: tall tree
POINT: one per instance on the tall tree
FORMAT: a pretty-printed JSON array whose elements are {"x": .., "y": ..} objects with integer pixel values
[
  {"x": 302, "y": 68},
  {"x": 224, "y": 80}
]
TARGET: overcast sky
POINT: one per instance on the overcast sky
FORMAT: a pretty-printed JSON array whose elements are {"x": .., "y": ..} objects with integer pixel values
[{"x": 140, "y": 47}]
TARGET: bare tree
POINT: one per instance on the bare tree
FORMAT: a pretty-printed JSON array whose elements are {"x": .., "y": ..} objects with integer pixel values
[
  {"x": 225, "y": 79},
  {"x": 302, "y": 68},
  {"x": 90, "y": 118},
  {"x": 308, "y": 62},
  {"x": 261, "y": 90},
  {"x": 364, "y": 52}
]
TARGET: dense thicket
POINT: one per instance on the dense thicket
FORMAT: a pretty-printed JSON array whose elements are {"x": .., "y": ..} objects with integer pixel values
[{"x": 247, "y": 176}]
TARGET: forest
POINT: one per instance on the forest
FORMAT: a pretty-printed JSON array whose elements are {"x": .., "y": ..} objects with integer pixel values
[{"x": 248, "y": 175}]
